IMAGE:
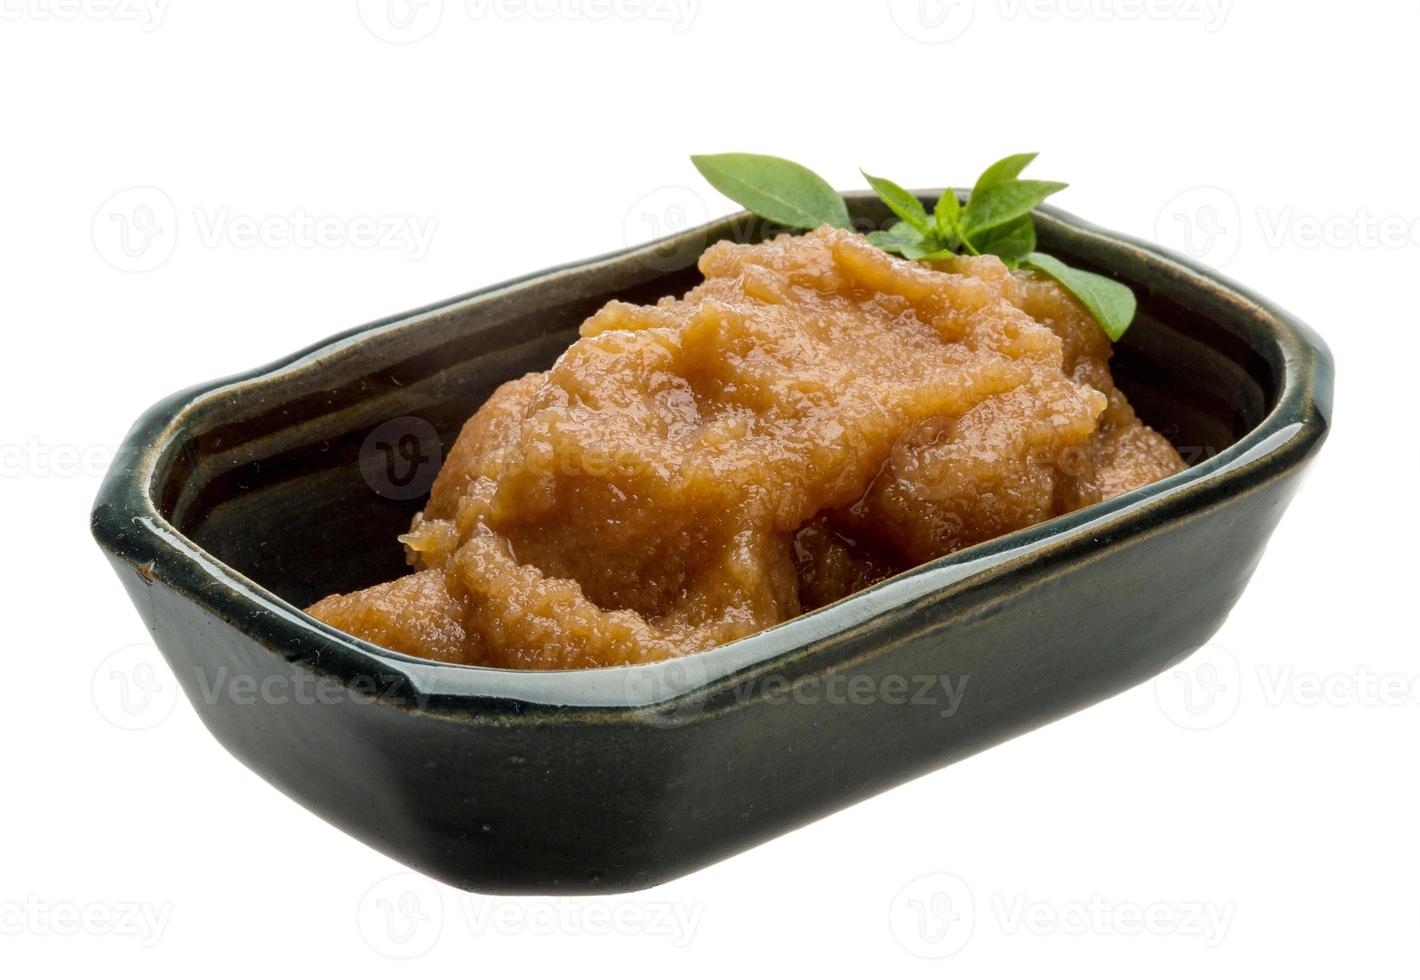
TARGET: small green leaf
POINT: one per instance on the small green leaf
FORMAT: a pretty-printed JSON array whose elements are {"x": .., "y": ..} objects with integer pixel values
[
  {"x": 1004, "y": 202},
  {"x": 939, "y": 255},
  {"x": 1111, "y": 303},
  {"x": 1002, "y": 171},
  {"x": 920, "y": 250},
  {"x": 785, "y": 192},
  {"x": 901, "y": 236},
  {"x": 1011, "y": 242},
  {"x": 947, "y": 215},
  {"x": 902, "y": 203}
]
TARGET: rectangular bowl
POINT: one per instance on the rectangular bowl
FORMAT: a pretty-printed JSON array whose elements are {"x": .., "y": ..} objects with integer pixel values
[{"x": 235, "y": 504}]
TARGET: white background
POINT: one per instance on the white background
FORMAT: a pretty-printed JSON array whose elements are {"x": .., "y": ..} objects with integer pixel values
[{"x": 1271, "y": 827}]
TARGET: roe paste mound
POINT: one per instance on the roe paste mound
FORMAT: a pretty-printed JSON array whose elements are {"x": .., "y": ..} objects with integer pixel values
[{"x": 815, "y": 417}]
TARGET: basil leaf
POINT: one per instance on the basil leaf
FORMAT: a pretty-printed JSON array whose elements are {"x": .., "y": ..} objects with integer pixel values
[
  {"x": 1011, "y": 242},
  {"x": 780, "y": 190},
  {"x": 920, "y": 250},
  {"x": 1111, "y": 303},
  {"x": 899, "y": 237},
  {"x": 1003, "y": 171},
  {"x": 947, "y": 215},
  {"x": 902, "y": 203},
  {"x": 1004, "y": 202}
]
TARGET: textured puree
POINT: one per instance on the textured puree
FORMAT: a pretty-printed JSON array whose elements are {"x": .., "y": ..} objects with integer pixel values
[{"x": 815, "y": 417}]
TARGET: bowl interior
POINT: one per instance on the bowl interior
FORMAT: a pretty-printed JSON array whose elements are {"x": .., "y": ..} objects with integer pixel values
[{"x": 301, "y": 477}]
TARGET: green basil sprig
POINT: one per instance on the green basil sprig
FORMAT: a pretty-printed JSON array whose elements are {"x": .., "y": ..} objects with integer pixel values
[{"x": 995, "y": 220}]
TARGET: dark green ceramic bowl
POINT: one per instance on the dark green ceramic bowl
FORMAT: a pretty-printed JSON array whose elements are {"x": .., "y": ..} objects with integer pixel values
[{"x": 237, "y": 503}]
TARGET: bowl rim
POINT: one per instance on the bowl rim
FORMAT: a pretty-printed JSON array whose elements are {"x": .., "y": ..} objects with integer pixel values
[{"x": 129, "y": 526}]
